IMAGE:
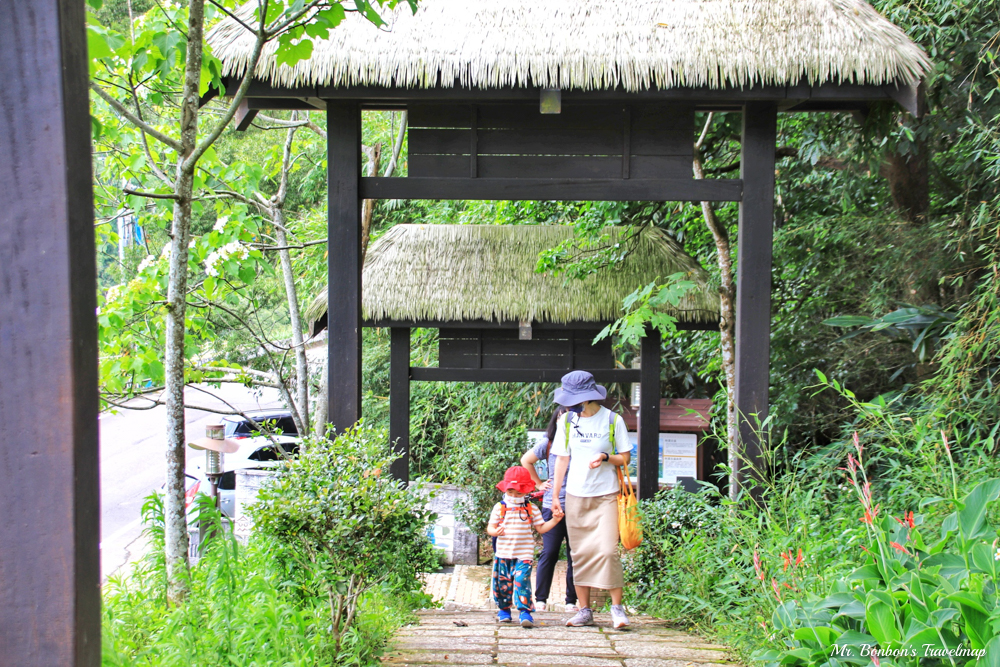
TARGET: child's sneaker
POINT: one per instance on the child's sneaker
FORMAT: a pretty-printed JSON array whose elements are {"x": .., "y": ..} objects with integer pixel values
[
  {"x": 526, "y": 620},
  {"x": 571, "y": 608},
  {"x": 503, "y": 616},
  {"x": 540, "y": 605},
  {"x": 582, "y": 617},
  {"x": 618, "y": 618}
]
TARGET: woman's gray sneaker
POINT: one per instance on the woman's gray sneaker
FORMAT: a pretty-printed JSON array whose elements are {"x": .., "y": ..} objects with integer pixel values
[
  {"x": 618, "y": 618},
  {"x": 582, "y": 617}
]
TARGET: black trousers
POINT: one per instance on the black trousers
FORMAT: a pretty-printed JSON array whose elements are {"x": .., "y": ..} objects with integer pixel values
[{"x": 551, "y": 543}]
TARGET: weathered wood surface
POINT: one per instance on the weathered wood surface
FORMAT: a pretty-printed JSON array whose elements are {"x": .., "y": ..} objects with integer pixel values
[
  {"x": 344, "y": 263},
  {"x": 50, "y": 607},
  {"x": 753, "y": 279}
]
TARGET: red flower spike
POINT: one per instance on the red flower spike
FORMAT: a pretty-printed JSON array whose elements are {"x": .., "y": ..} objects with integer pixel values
[
  {"x": 857, "y": 446},
  {"x": 757, "y": 566},
  {"x": 899, "y": 521},
  {"x": 777, "y": 591},
  {"x": 899, "y": 547},
  {"x": 867, "y": 518},
  {"x": 799, "y": 559},
  {"x": 909, "y": 520},
  {"x": 875, "y": 659},
  {"x": 787, "y": 561}
]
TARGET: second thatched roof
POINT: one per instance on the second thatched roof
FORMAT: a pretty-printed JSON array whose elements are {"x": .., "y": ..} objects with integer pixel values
[
  {"x": 596, "y": 45},
  {"x": 461, "y": 273}
]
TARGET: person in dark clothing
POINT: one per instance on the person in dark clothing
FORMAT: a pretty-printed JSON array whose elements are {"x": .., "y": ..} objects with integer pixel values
[{"x": 551, "y": 541}]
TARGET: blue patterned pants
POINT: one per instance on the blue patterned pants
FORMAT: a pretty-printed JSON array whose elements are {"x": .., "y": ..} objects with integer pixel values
[{"x": 512, "y": 579}]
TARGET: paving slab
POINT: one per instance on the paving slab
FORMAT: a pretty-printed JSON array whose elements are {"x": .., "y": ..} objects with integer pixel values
[
  {"x": 549, "y": 649},
  {"x": 554, "y": 659},
  {"x": 536, "y": 638},
  {"x": 444, "y": 644},
  {"x": 425, "y": 657},
  {"x": 445, "y": 631},
  {"x": 654, "y": 662},
  {"x": 667, "y": 651}
]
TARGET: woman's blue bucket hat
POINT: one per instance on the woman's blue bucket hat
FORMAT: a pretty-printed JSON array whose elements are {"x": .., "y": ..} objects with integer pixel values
[{"x": 577, "y": 387}]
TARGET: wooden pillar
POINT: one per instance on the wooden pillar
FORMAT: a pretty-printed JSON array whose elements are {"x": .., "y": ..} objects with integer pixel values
[
  {"x": 344, "y": 263},
  {"x": 50, "y": 605},
  {"x": 753, "y": 278},
  {"x": 399, "y": 400},
  {"x": 649, "y": 415}
]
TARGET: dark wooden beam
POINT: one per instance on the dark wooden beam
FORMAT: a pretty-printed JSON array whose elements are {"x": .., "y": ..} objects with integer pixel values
[
  {"x": 244, "y": 116},
  {"x": 399, "y": 400},
  {"x": 344, "y": 263},
  {"x": 50, "y": 605},
  {"x": 649, "y": 415},
  {"x": 753, "y": 282},
  {"x": 705, "y": 98},
  {"x": 513, "y": 324},
  {"x": 591, "y": 189},
  {"x": 419, "y": 374}
]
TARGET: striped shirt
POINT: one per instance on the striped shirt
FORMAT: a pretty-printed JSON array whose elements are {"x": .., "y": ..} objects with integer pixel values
[{"x": 517, "y": 540}]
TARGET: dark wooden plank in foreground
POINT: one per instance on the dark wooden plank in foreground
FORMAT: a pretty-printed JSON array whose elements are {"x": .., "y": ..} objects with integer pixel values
[
  {"x": 566, "y": 189},
  {"x": 50, "y": 606}
]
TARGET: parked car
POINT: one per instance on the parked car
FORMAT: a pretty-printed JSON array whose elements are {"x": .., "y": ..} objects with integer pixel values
[
  {"x": 254, "y": 452},
  {"x": 273, "y": 421}
]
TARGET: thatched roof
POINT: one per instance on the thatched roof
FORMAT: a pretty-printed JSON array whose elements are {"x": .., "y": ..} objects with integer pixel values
[
  {"x": 458, "y": 273},
  {"x": 598, "y": 44}
]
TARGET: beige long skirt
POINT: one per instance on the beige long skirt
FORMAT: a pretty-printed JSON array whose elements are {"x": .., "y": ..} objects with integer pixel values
[{"x": 592, "y": 524}]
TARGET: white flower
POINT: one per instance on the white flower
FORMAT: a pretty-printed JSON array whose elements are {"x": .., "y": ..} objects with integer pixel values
[
  {"x": 996, "y": 556},
  {"x": 220, "y": 224},
  {"x": 166, "y": 250},
  {"x": 231, "y": 249},
  {"x": 113, "y": 293},
  {"x": 146, "y": 263}
]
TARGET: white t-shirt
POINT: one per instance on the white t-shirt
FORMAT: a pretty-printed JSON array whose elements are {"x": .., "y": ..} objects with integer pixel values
[{"x": 589, "y": 436}]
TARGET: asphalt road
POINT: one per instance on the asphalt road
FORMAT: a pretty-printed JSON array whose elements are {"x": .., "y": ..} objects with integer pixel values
[{"x": 133, "y": 443}]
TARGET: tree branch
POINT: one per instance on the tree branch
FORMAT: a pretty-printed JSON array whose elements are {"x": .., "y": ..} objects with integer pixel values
[
  {"x": 151, "y": 195},
  {"x": 135, "y": 120}
]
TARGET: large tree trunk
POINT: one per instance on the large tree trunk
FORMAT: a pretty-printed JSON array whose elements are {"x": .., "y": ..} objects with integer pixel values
[
  {"x": 727, "y": 319},
  {"x": 175, "y": 527}
]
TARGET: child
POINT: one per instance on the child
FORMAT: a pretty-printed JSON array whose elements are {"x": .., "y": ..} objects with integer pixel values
[{"x": 511, "y": 521}]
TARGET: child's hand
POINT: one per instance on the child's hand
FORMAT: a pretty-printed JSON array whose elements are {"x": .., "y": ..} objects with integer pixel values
[
  {"x": 557, "y": 513},
  {"x": 500, "y": 530}
]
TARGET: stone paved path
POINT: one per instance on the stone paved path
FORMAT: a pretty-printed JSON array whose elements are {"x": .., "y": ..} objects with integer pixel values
[
  {"x": 436, "y": 641},
  {"x": 468, "y": 587}
]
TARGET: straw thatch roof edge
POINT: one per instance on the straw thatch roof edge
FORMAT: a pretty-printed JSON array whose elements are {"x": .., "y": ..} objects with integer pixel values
[
  {"x": 469, "y": 273},
  {"x": 629, "y": 44}
]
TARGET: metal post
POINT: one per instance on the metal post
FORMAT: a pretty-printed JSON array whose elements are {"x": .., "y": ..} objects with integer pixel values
[{"x": 50, "y": 605}]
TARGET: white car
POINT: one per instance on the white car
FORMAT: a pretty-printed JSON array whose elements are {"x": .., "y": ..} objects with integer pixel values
[{"x": 256, "y": 452}]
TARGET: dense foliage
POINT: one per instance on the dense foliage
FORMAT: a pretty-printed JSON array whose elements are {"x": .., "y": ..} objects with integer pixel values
[{"x": 249, "y": 605}]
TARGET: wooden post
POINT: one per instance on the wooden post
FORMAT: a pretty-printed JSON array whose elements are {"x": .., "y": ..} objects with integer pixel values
[
  {"x": 399, "y": 400},
  {"x": 753, "y": 280},
  {"x": 344, "y": 263},
  {"x": 50, "y": 605},
  {"x": 649, "y": 415}
]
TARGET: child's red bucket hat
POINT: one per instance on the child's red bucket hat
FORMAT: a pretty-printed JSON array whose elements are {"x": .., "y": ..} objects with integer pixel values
[{"x": 518, "y": 479}]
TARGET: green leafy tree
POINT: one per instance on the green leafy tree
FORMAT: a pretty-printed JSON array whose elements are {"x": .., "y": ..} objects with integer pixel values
[{"x": 155, "y": 76}]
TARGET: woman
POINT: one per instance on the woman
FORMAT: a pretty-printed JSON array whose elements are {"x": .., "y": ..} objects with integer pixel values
[
  {"x": 591, "y": 490},
  {"x": 551, "y": 541}
]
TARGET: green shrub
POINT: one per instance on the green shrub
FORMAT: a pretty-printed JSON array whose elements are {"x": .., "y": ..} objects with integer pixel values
[
  {"x": 244, "y": 609},
  {"x": 345, "y": 526}
]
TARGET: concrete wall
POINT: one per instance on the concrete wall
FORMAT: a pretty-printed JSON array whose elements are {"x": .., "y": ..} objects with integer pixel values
[{"x": 459, "y": 544}]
